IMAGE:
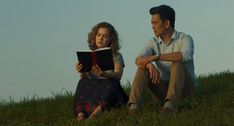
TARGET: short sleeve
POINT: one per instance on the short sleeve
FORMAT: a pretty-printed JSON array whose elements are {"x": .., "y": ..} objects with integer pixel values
[{"x": 118, "y": 59}]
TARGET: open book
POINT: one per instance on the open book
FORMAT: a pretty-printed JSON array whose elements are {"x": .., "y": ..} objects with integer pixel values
[{"x": 101, "y": 57}]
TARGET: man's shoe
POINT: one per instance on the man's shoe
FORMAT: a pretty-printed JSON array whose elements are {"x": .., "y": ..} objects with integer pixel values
[{"x": 132, "y": 112}]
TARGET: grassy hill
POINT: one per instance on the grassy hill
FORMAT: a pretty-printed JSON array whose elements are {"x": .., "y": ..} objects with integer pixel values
[{"x": 213, "y": 105}]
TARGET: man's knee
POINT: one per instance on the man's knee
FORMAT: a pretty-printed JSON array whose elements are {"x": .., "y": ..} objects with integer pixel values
[
  {"x": 141, "y": 70},
  {"x": 177, "y": 66},
  {"x": 141, "y": 73}
]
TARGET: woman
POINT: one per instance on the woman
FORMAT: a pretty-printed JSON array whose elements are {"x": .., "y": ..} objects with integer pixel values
[{"x": 100, "y": 90}]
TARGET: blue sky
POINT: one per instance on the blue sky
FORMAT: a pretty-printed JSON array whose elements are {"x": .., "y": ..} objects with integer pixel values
[{"x": 38, "y": 38}]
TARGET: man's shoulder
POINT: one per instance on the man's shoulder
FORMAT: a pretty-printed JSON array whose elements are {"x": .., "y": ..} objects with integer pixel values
[
  {"x": 153, "y": 40},
  {"x": 184, "y": 38},
  {"x": 181, "y": 35}
]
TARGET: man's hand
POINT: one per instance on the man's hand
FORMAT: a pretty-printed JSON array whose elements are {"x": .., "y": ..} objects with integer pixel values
[
  {"x": 154, "y": 73},
  {"x": 141, "y": 62}
]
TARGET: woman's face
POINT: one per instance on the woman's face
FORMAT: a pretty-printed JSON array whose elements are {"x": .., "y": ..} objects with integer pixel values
[{"x": 102, "y": 38}]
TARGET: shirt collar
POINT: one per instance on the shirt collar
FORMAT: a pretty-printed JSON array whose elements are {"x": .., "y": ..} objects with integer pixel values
[{"x": 173, "y": 37}]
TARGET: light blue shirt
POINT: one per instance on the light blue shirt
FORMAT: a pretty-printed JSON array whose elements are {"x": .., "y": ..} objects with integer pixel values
[{"x": 180, "y": 42}]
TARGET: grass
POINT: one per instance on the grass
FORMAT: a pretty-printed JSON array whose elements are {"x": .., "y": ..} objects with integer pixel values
[{"x": 212, "y": 106}]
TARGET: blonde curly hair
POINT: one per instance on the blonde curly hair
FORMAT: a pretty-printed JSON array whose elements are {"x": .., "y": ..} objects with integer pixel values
[{"x": 114, "y": 39}]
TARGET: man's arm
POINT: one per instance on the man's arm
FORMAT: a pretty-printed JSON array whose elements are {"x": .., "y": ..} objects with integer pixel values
[{"x": 174, "y": 56}]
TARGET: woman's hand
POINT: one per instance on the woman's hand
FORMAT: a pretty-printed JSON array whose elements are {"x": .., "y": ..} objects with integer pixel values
[
  {"x": 78, "y": 67},
  {"x": 96, "y": 70}
]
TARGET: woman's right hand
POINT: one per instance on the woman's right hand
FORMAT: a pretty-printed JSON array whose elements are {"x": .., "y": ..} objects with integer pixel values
[{"x": 78, "y": 67}]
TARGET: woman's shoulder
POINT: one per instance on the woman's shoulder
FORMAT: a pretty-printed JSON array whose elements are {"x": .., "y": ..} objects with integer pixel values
[
  {"x": 118, "y": 58},
  {"x": 117, "y": 54}
]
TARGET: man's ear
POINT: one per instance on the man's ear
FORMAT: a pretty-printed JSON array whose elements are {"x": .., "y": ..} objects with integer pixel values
[{"x": 167, "y": 23}]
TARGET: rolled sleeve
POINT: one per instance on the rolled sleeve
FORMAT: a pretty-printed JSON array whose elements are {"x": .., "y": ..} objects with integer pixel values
[{"x": 187, "y": 48}]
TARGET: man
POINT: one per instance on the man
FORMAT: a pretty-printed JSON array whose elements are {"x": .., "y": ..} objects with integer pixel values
[{"x": 172, "y": 76}]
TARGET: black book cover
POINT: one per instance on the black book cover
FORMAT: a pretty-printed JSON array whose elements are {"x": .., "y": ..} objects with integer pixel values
[{"x": 102, "y": 57}]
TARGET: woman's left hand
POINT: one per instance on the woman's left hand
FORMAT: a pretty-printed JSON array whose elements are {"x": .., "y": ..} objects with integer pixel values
[{"x": 96, "y": 70}]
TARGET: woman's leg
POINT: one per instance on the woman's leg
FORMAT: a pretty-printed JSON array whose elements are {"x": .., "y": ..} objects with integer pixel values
[
  {"x": 96, "y": 112},
  {"x": 80, "y": 117}
]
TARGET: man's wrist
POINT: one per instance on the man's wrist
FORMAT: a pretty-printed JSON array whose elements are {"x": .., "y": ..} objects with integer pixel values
[{"x": 157, "y": 57}]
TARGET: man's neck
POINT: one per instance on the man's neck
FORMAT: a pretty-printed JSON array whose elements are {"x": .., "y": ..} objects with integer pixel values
[{"x": 166, "y": 37}]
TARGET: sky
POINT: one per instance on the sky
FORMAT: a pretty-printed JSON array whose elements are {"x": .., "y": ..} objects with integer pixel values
[{"x": 39, "y": 39}]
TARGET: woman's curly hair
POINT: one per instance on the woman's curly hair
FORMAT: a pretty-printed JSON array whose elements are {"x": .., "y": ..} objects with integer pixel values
[{"x": 114, "y": 39}]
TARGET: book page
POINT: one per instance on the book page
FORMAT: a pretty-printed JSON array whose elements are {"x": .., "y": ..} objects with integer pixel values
[{"x": 105, "y": 48}]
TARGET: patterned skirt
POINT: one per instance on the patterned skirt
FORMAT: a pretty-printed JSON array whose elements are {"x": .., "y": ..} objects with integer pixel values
[{"x": 91, "y": 93}]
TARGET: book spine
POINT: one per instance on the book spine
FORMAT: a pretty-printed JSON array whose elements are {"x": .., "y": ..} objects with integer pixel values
[{"x": 94, "y": 58}]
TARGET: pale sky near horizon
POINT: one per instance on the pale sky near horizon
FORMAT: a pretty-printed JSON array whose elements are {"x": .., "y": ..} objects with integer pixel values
[{"x": 38, "y": 38}]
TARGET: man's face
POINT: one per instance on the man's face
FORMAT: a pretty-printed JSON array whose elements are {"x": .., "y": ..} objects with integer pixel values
[{"x": 158, "y": 26}]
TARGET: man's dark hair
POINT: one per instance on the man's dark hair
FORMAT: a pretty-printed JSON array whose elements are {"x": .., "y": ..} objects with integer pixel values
[{"x": 165, "y": 12}]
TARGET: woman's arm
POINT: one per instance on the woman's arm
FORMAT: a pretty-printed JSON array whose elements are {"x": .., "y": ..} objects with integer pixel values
[{"x": 116, "y": 74}]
